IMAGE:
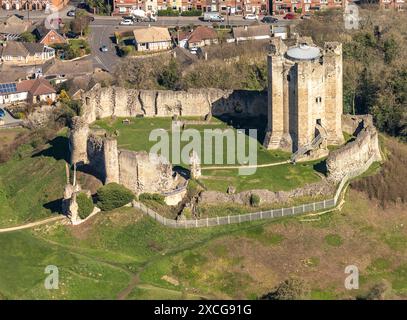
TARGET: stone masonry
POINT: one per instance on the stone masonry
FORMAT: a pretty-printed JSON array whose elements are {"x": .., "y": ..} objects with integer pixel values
[
  {"x": 120, "y": 102},
  {"x": 138, "y": 171},
  {"x": 304, "y": 94},
  {"x": 354, "y": 154}
]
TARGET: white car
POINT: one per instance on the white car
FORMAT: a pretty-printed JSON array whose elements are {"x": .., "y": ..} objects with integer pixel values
[
  {"x": 251, "y": 16},
  {"x": 193, "y": 50},
  {"x": 126, "y": 22}
]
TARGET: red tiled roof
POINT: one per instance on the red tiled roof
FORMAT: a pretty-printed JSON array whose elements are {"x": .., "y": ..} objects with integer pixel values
[
  {"x": 35, "y": 87},
  {"x": 202, "y": 33}
]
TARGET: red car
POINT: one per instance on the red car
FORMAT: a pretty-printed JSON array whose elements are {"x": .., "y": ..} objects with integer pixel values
[{"x": 290, "y": 16}]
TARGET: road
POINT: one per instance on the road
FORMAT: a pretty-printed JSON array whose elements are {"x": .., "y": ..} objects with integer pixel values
[
  {"x": 32, "y": 224},
  {"x": 103, "y": 28}
]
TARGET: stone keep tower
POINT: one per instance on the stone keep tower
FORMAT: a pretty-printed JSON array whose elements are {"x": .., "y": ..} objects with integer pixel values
[{"x": 304, "y": 95}]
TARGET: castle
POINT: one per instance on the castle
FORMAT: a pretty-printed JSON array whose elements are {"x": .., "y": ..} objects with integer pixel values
[
  {"x": 304, "y": 115},
  {"x": 304, "y": 96},
  {"x": 138, "y": 171}
]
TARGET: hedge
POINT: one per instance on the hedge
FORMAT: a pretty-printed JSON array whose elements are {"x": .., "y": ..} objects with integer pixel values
[
  {"x": 191, "y": 13},
  {"x": 168, "y": 13},
  {"x": 112, "y": 196},
  {"x": 85, "y": 205}
]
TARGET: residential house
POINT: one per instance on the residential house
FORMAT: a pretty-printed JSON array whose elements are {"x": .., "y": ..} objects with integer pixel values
[
  {"x": 10, "y": 73},
  {"x": 49, "y": 37},
  {"x": 25, "y": 53},
  {"x": 398, "y": 5},
  {"x": 59, "y": 71},
  {"x": 152, "y": 39},
  {"x": 32, "y": 5},
  {"x": 12, "y": 26},
  {"x": 31, "y": 91},
  {"x": 202, "y": 36},
  {"x": 123, "y": 7},
  {"x": 256, "y": 32},
  {"x": 181, "y": 38},
  {"x": 284, "y": 6}
]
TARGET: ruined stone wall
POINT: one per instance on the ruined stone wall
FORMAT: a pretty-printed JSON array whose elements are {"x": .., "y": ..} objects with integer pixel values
[
  {"x": 115, "y": 101},
  {"x": 100, "y": 156},
  {"x": 96, "y": 156},
  {"x": 78, "y": 140},
  {"x": 352, "y": 124},
  {"x": 111, "y": 160},
  {"x": 354, "y": 155},
  {"x": 322, "y": 188},
  {"x": 141, "y": 174}
]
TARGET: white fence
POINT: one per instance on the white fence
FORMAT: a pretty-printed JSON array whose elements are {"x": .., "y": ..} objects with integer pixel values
[{"x": 268, "y": 214}]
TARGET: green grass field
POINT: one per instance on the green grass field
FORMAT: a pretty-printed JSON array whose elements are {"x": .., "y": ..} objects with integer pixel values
[
  {"x": 30, "y": 188},
  {"x": 135, "y": 136},
  {"x": 278, "y": 178},
  {"x": 124, "y": 249}
]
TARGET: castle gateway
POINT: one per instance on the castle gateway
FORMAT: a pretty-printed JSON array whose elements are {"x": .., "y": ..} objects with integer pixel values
[{"x": 304, "y": 96}]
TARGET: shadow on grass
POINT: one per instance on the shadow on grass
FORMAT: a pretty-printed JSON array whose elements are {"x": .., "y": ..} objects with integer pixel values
[
  {"x": 247, "y": 122},
  {"x": 55, "y": 206},
  {"x": 59, "y": 149}
]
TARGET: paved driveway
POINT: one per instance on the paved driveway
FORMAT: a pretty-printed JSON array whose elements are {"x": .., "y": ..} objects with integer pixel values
[{"x": 9, "y": 121}]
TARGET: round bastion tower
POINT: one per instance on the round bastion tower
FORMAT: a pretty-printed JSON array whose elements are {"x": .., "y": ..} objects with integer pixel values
[{"x": 78, "y": 140}]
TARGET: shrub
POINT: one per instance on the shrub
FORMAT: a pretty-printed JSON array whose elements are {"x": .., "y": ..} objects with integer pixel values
[
  {"x": 85, "y": 205},
  {"x": 27, "y": 36},
  {"x": 152, "y": 196},
  {"x": 191, "y": 13},
  {"x": 126, "y": 50},
  {"x": 112, "y": 196},
  {"x": 254, "y": 200},
  {"x": 333, "y": 240},
  {"x": 290, "y": 289}
]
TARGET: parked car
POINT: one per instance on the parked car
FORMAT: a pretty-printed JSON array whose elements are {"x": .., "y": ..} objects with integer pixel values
[
  {"x": 126, "y": 22},
  {"x": 306, "y": 16},
  {"x": 193, "y": 50},
  {"x": 251, "y": 16},
  {"x": 71, "y": 35},
  {"x": 213, "y": 17},
  {"x": 2, "y": 113},
  {"x": 104, "y": 48},
  {"x": 290, "y": 16},
  {"x": 269, "y": 19},
  {"x": 71, "y": 13}
]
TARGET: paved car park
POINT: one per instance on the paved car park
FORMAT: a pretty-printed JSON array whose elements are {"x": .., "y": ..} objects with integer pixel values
[{"x": 9, "y": 120}]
